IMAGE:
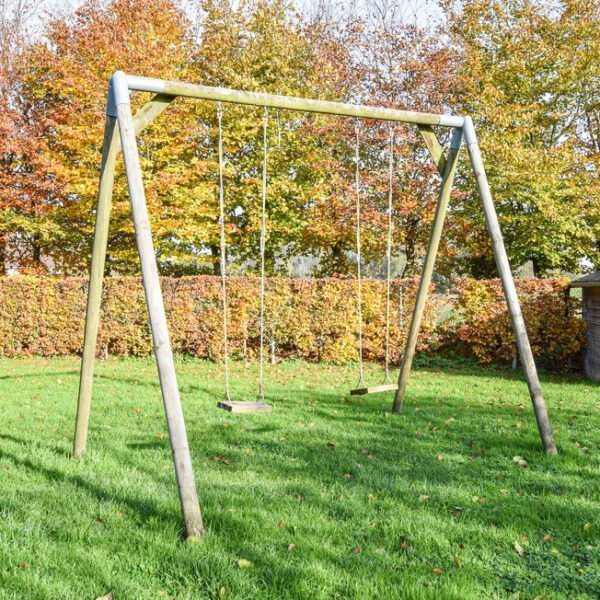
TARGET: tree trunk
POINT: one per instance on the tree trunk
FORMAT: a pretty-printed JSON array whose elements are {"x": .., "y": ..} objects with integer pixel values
[
  {"x": 37, "y": 251},
  {"x": 215, "y": 252},
  {"x": 2, "y": 255}
]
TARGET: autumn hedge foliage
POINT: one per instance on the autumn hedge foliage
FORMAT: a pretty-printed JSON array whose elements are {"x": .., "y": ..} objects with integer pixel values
[
  {"x": 481, "y": 325},
  {"x": 312, "y": 319}
]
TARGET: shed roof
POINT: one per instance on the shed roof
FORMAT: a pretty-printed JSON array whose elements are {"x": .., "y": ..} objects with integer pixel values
[{"x": 589, "y": 280}]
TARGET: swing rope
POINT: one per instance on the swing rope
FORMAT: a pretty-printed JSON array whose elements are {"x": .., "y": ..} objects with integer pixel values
[
  {"x": 223, "y": 252},
  {"x": 358, "y": 260},
  {"x": 263, "y": 231},
  {"x": 388, "y": 256}
]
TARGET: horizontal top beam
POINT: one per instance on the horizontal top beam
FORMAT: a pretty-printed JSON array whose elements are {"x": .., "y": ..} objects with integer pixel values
[{"x": 191, "y": 90}]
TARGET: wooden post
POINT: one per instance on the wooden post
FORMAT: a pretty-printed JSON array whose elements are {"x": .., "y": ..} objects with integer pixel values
[
  {"x": 434, "y": 241},
  {"x": 110, "y": 149},
  {"x": 158, "y": 321},
  {"x": 510, "y": 292}
]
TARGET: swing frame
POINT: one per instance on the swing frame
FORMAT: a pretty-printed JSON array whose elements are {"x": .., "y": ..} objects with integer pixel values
[{"x": 121, "y": 129}]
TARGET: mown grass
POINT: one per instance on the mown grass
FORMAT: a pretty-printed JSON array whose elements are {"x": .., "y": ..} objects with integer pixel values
[{"x": 425, "y": 505}]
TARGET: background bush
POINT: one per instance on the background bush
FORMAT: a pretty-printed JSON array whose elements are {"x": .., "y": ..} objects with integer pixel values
[{"x": 312, "y": 319}]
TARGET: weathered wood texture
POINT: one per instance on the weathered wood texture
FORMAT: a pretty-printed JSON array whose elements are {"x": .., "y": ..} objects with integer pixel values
[
  {"x": 374, "y": 389},
  {"x": 591, "y": 315},
  {"x": 158, "y": 323},
  {"x": 110, "y": 149},
  {"x": 218, "y": 94},
  {"x": 432, "y": 249},
  {"x": 244, "y": 407},
  {"x": 434, "y": 147},
  {"x": 510, "y": 292}
]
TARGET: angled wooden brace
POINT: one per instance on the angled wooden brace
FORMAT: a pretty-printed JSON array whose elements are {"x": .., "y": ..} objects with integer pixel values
[{"x": 434, "y": 147}]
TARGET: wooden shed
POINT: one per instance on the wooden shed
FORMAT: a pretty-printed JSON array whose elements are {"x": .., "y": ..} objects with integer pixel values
[{"x": 590, "y": 286}]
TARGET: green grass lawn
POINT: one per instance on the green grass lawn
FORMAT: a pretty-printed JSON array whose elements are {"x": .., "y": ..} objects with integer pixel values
[{"x": 327, "y": 497}]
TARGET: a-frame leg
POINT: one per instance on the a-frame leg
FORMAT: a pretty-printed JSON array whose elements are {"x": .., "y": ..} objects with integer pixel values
[
  {"x": 510, "y": 292},
  {"x": 110, "y": 149},
  {"x": 158, "y": 320},
  {"x": 432, "y": 249}
]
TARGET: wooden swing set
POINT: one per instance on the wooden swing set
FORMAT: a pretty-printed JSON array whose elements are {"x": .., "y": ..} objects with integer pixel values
[{"x": 121, "y": 129}]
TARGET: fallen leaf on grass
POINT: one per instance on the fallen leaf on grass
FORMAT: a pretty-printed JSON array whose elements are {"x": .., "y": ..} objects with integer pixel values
[
  {"x": 519, "y": 550},
  {"x": 423, "y": 498},
  {"x": 291, "y": 547},
  {"x": 108, "y": 596},
  {"x": 330, "y": 445},
  {"x": 438, "y": 571},
  {"x": 357, "y": 550},
  {"x": 371, "y": 498},
  {"x": 440, "y": 457},
  {"x": 547, "y": 538},
  {"x": 458, "y": 562},
  {"x": 520, "y": 461},
  {"x": 244, "y": 564},
  {"x": 281, "y": 524}
]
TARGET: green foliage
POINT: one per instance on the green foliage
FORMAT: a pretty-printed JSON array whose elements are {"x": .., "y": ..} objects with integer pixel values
[
  {"x": 527, "y": 72},
  {"x": 373, "y": 517}
]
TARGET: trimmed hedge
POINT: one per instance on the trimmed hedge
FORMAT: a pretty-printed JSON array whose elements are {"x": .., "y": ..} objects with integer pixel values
[
  {"x": 481, "y": 324},
  {"x": 312, "y": 319},
  {"x": 304, "y": 318}
]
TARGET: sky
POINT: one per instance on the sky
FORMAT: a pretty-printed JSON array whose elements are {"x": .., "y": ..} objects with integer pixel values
[{"x": 419, "y": 11}]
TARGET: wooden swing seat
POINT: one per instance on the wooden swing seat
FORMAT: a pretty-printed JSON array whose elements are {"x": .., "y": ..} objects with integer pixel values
[
  {"x": 374, "y": 389},
  {"x": 244, "y": 407}
]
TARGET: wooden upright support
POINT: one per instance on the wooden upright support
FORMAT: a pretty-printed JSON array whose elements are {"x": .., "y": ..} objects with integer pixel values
[
  {"x": 432, "y": 249},
  {"x": 110, "y": 149},
  {"x": 158, "y": 319},
  {"x": 510, "y": 292}
]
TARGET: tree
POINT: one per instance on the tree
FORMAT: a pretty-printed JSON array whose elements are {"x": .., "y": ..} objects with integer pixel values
[
  {"x": 21, "y": 216},
  {"x": 63, "y": 95},
  {"x": 526, "y": 71}
]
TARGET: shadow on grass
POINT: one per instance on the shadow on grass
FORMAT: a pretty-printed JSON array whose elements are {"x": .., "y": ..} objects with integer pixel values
[
  {"x": 142, "y": 508},
  {"x": 40, "y": 373}
]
